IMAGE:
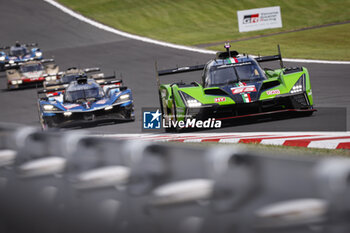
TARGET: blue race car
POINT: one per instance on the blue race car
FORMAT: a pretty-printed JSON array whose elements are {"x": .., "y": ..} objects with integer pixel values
[
  {"x": 85, "y": 101},
  {"x": 19, "y": 53}
]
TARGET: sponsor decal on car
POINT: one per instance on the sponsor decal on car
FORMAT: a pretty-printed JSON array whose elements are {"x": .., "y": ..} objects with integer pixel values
[
  {"x": 243, "y": 89},
  {"x": 221, "y": 99},
  {"x": 273, "y": 92},
  {"x": 69, "y": 106},
  {"x": 101, "y": 101}
]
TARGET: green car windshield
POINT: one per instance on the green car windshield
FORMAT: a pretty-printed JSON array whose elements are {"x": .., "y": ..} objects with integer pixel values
[{"x": 232, "y": 73}]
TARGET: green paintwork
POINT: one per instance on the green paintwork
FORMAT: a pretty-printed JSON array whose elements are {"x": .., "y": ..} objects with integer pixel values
[{"x": 287, "y": 81}]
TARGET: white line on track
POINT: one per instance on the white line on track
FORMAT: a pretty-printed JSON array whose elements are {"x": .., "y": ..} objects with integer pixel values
[
  {"x": 165, "y": 44},
  {"x": 127, "y": 35}
]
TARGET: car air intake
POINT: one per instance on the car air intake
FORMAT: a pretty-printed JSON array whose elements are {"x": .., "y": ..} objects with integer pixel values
[
  {"x": 268, "y": 85},
  {"x": 215, "y": 92},
  {"x": 223, "y": 55},
  {"x": 293, "y": 70}
]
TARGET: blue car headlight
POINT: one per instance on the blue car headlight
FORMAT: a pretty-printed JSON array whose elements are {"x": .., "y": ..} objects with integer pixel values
[
  {"x": 123, "y": 98},
  {"x": 49, "y": 108},
  {"x": 38, "y": 53}
]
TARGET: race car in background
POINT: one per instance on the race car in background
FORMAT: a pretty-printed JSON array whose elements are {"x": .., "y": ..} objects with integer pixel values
[
  {"x": 72, "y": 74},
  {"x": 32, "y": 72},
  {"x": 85, "y": 101},
  {"x": 19, "y": 53},
  {"x": 235, "y": 86}
]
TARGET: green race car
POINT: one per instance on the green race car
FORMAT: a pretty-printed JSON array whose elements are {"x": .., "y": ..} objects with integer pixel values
[{"x": 235, "y": 86}]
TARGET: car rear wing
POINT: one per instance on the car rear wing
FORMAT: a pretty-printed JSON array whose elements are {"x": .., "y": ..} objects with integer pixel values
[
  {"x": 177, "y": 70},
  {"x": 86, "y": 70},
  {"x": 62, "y": 88},
  {"x": 47, "y": 60},
  {"x": 272, "y": 58},
  {"x": 43, "y": 93},
  {"x": 180, "y": 70},
  {"x": 13, "y": 66},
  {"x": 93, "y": 69},
  {"x": 26, "y": 45},
  {"x": 16, "y": 65},
  {"x": 99, "y": 80},
  {"x": 105, "y": 82}
]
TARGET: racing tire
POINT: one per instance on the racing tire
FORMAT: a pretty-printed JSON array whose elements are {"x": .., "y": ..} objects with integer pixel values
[
  {"x": 45, "y": 125},
  {"x": 130, "y": 114}
]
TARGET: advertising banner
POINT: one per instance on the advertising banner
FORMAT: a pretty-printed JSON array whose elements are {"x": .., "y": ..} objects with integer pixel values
[{"x": 259, "y": 19}]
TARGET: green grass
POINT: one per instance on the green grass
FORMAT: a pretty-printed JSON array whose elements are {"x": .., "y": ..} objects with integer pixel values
[
  {"x": 193, "y": 22},
  {"x": 312, "y": 44}
]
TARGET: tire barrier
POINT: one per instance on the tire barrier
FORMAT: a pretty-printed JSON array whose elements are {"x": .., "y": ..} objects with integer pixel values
[{"x": 69, "y": 181}]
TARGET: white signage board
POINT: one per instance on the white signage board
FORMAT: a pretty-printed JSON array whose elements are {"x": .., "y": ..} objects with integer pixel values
[{"x": 259, "y": 19}]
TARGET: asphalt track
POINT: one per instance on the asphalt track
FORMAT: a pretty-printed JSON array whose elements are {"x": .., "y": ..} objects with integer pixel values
[{"x": 74, "y": 43}]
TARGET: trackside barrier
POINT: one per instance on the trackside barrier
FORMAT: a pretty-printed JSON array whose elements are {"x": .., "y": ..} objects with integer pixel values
[{"x": 71, "y": 182}]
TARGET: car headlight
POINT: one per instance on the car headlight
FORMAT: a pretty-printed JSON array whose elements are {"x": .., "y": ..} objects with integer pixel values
[
  {"x": 67, "y": 114},
  {"x": 298, "y": 86},
  {"x": 193, "y": 103},
  {"x": 122, "y": 98},
  {"x": 15, "y": 82},
  {"x": 2, "y": 58},
  {"x": 38, "y": 54},
  {"x": 11, "y": 61},
  {"x": 49, "y": 107},
  {"x": 50, "y": 78},
  {"x": 190, "y": 101},
  {"x": 108, "y": 108}
]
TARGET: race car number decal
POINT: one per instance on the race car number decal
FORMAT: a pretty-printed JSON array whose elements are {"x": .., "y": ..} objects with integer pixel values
[
  {"x": 238, "y": 90},
  {"x": 273, "y": 92},
  {"x": 220, "y": 99}
]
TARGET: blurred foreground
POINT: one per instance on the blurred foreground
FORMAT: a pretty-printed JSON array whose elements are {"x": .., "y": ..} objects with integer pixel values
[{"x": 71, "y": 182}]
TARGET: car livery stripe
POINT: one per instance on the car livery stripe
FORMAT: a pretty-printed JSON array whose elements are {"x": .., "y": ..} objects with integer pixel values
[
  {"x": 232, "y": 60},
  {"x": 245, "y": 96}
]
